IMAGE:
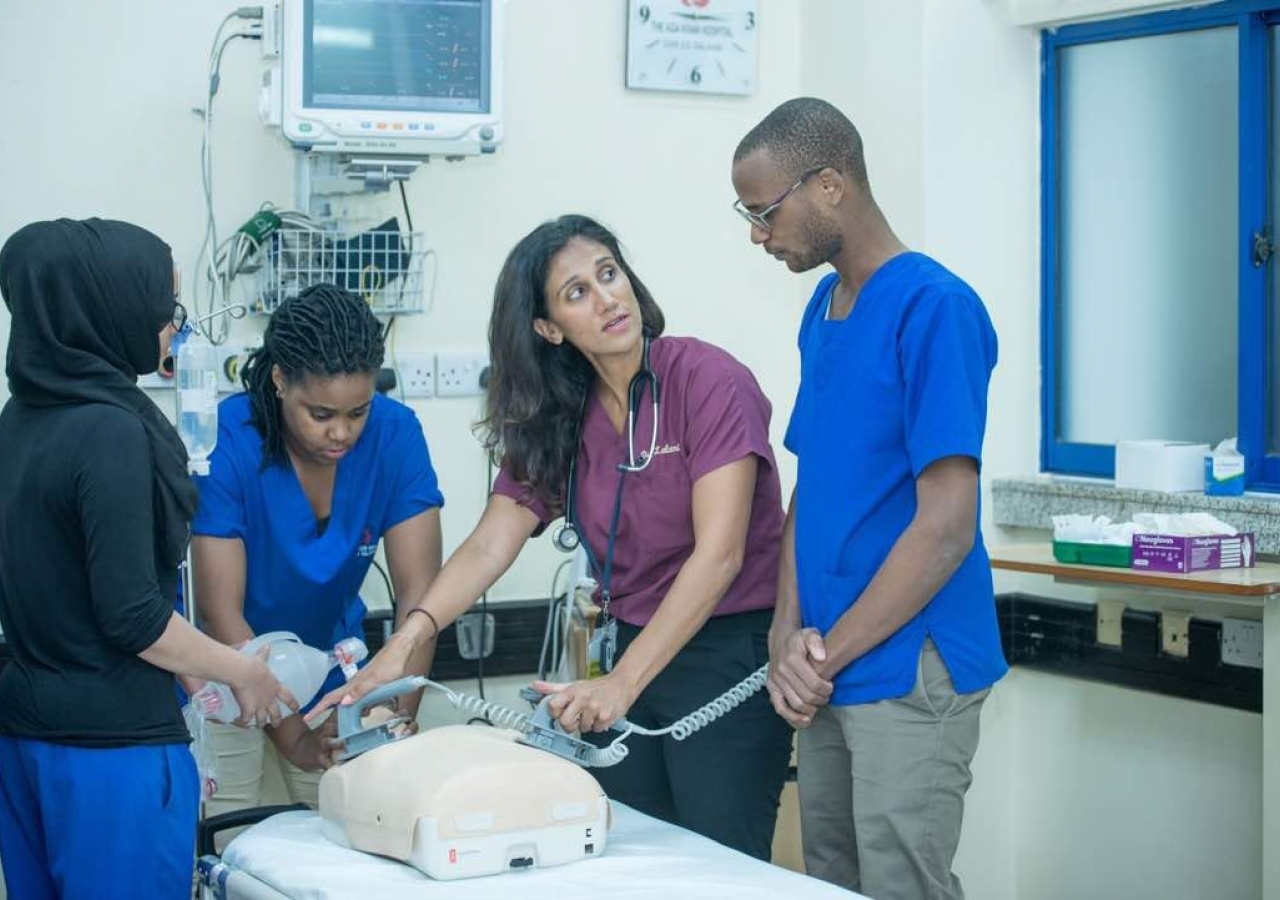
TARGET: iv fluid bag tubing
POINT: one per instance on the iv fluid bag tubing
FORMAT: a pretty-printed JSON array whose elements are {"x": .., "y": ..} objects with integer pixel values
[
  {"x": 197, "y": 376},
  {"x": 393, "y": 77}
]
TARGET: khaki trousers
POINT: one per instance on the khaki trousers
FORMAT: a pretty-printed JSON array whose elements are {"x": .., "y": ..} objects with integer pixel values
[
  {"x": 882, "y": 788},
  {"x": 244, "y": 756}
]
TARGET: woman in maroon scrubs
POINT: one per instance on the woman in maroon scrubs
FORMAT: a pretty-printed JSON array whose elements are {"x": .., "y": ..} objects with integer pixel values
[{"x": 655, "y": 450}]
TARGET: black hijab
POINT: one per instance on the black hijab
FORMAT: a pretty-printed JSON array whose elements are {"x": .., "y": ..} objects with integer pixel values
[{"x": 88, "y": 301}]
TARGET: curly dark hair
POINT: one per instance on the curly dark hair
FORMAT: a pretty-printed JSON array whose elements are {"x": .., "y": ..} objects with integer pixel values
[
  {"x": 536, "y": 389},
  {"x": 324, "y": 331}
]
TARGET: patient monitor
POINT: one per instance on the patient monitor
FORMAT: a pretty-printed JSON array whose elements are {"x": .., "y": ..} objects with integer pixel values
[
  {"x": 391, "y": 77},
  {"x": 465, "y": 800}
]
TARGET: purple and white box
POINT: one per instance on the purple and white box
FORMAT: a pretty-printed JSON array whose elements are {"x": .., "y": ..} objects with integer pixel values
[{"x": 1175, "y": 553}]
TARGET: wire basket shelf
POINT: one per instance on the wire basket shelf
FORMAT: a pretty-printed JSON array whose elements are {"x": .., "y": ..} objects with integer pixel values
[{"x": 382, "y": 266}]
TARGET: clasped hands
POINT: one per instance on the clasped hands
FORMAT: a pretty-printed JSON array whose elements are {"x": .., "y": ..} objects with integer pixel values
[{"x": 796, "y": 686}]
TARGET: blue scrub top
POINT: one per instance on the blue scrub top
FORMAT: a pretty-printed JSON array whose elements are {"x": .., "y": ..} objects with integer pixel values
[
  {"x": 898, "y": 384},
  {"x": 298, "y": 579}
]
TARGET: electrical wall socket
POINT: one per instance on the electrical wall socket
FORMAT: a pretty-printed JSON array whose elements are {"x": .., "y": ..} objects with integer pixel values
[
  {"x": 231, "y": 362},
  {"x": 1175, "y": 632},
  {"x": 461, "y": 373},
  {"x": 1110, "y": 620},
  {"x": 416, "y": 373},
  {"x": 475, "y": 635},
  {"x": 1242, "y": 642}
]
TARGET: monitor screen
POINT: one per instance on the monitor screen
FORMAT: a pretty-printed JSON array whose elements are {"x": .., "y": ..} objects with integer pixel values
[{"x": 397, "y": 55}]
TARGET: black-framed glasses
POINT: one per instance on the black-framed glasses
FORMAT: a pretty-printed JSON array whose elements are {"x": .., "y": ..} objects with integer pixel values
[
  {"x": 761, "y": 219},
  {"x": 179, "y": 314}
]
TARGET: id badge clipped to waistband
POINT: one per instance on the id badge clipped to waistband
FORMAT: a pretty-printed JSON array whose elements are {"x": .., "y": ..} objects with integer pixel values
[{"x": 601, "y": 649}]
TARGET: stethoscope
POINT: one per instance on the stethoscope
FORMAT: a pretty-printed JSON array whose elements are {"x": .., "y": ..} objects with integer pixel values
[{"x": 569, "y": 537}]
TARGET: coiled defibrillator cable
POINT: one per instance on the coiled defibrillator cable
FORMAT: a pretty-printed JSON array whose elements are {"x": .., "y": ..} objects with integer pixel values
[
  {"x": 706, "y": 714},
  {"x": 616, "y": 751},
  {"x": 497, "y": 714},
  {"x": 478, "y": 707},
  {"x": 700, "y": 718}
]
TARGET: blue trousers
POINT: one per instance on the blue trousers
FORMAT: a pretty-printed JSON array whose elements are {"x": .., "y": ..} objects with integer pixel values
[{"x": 107, "y": 824}]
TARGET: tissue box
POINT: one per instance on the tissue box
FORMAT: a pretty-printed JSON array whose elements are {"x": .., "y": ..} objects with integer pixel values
[
  {"x": 1160, "y": 465},
  {"x": 1176, "y": 553},
  {"x": 1224, "y": 476}
]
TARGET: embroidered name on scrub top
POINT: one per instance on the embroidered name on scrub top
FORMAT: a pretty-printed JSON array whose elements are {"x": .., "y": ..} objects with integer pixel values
[{"x": 368, "y": 544}]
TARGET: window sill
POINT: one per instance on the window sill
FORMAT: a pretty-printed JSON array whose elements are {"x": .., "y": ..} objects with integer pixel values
[{"x": 1032, "y": 502}]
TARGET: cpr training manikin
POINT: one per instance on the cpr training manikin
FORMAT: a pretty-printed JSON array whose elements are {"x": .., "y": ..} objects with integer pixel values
[{"x": 465, "y": 800}]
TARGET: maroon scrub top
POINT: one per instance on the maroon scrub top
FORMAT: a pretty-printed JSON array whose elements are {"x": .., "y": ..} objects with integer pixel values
[{"x": 712, "y": 413}]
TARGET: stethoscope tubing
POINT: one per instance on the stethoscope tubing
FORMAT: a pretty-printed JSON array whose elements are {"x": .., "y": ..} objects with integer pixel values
[{"x": 569, "y": 538}]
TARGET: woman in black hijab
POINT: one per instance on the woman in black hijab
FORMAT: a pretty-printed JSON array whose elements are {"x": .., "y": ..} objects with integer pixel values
[{"x": 98, "y": 791}]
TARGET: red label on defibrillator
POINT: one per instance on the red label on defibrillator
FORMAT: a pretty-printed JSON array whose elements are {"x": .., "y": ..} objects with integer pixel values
[{"x": 453, "y": 856}]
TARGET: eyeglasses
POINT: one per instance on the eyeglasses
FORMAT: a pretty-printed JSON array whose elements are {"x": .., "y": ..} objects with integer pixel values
[
  {"x": 761, "y": 219},
  {"x": 179, "y": 314}
]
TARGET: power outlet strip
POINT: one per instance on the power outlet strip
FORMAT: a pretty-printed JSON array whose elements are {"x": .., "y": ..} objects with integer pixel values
[
  {"x": 416, "y": 374},
  {"x": 461, "y": 373}
]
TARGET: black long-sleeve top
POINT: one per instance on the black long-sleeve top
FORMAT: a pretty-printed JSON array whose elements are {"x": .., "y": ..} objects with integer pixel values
[{"x": 80, "y": 594}]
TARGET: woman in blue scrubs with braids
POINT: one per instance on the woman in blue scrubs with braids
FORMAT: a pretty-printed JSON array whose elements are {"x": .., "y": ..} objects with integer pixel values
[{"x": 312, "y": 469}]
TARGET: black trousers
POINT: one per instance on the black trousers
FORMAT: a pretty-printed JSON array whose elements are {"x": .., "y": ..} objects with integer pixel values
[{"x": 725, "y": 780}]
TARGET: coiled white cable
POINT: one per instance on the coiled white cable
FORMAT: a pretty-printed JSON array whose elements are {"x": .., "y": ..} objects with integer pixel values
[
  {"x": 499, "y": 715},
  {"x": 502, "y": 717},
  {"x": 704, "y": 715},
  {"x": 700, "y": 718},
  {"x": 611, "y": 754},
  {"x": 616, "y": 751}
]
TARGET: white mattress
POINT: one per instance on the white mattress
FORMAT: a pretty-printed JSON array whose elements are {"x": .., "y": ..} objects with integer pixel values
[{"x": 645, "y": 858}]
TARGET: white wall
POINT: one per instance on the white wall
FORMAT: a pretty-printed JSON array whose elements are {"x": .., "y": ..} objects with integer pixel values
[
  {"x": 981, "y": 178},
  {"x": 1128, "y": 794},
  {"x": 653, "y": 166},
  {"x": 946, "y": 94},
  {"x": 106, "y": 98}
]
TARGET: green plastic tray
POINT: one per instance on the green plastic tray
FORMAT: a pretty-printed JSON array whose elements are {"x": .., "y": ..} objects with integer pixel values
[{"x": 1118, "y": 555}]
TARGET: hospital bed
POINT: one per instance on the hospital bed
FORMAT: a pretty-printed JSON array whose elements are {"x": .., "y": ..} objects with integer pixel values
[{"x": 286, "y": 857}]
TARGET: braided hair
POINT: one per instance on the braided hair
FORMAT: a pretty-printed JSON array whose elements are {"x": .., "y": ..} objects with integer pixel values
[{"x": 323, "y": 331}]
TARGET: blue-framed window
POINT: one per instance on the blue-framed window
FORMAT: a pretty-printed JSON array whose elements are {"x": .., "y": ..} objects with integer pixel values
[{"x": 1161, "y": 190}]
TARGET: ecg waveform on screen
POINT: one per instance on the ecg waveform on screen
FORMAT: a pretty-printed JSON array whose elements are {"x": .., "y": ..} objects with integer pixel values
[
  {"x": 452, "y": 55},
  {"x": 409, "y": 56}
]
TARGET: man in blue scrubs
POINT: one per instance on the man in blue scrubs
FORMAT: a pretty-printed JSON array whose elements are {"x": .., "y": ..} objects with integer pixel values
[{"x": 885, "y": 642}]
